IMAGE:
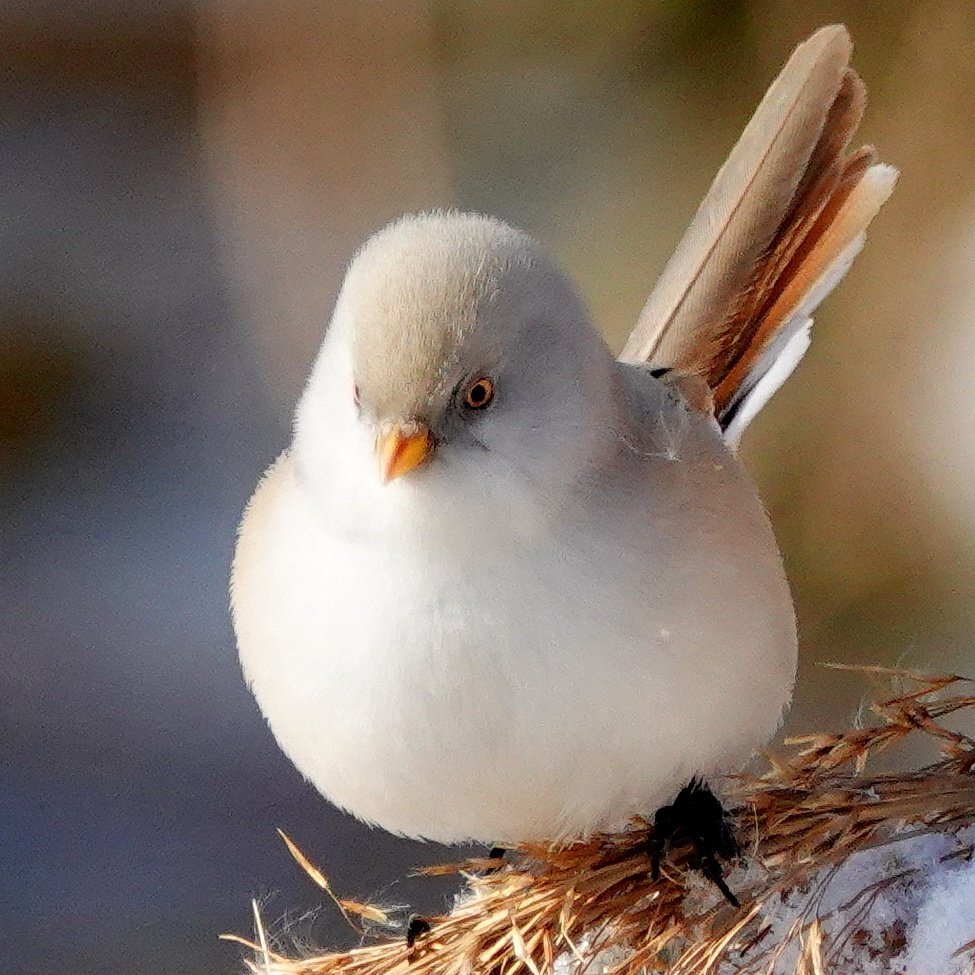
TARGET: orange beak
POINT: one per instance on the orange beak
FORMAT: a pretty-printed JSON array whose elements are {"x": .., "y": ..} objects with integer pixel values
[{"x": 401, "y": 449}]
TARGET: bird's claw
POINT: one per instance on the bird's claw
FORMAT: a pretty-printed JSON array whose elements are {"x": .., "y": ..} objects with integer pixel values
[
  {"x": 697, "y": 817},
  {"x": 416, "y": 927}
]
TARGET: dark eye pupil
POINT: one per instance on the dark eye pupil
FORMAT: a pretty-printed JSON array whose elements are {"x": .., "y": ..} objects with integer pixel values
[{"x": 479, "y": 394}]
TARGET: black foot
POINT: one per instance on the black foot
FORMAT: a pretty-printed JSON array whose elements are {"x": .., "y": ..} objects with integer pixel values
[
  {"x": 495, "y": 861},
  {"x": 416, "y": 927},
  {"x": 496, "y": 856},
  {"x": 697, "y": 817}
]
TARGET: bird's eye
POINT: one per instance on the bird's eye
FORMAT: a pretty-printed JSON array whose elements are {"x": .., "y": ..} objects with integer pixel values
[
  {"x": 479, "y": 394},
  {"x": 355, "y": 394}
]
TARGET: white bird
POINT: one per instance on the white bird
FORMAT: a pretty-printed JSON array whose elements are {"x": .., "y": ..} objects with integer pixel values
[{"x": 504, "y": 587}]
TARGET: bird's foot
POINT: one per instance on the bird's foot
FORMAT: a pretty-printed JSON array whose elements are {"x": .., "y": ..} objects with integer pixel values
[
  {"x": 496, "y": 856},
  {"x": 416, "y": 927},
  {"x": 696, "y": 816}
]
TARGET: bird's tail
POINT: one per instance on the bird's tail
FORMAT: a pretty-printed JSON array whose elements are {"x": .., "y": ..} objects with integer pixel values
[{"x": 780, "y": 226}]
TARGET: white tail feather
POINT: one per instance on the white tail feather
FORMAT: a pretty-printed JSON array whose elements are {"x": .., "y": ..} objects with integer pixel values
[{"x": 780, "y": 367}]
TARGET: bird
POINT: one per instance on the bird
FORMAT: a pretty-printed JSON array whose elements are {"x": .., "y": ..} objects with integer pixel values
[{"x": 504, "y": 586}]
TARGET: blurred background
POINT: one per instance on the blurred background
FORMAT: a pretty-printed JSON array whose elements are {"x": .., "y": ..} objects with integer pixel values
[{"x": 180, "y": 187}]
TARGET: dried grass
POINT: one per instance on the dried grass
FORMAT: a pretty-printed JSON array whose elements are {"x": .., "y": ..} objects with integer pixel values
[{"x": 812, "y": 808}]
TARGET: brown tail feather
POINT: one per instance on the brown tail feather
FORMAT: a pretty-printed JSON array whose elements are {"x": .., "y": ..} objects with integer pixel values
[{"x": 817, "y": 188}]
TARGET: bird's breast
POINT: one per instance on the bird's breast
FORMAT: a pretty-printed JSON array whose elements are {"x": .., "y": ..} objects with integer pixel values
[{"x": 405, "y": 662}]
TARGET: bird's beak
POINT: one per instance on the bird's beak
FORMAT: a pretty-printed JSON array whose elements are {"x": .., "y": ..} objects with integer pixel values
[{"x": 400, "y": 449}]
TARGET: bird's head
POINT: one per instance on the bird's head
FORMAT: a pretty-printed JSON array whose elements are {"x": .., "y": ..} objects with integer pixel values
[{"x": 456, "y": 348}]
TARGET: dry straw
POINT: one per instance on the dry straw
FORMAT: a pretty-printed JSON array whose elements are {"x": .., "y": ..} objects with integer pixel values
[{"x": 594, "y": 904}]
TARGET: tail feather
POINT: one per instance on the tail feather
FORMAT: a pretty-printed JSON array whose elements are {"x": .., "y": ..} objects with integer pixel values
[
  {"x": 819, "y": 188},
  {"x": 819, "y": 262},
  {"x": 779, "y": 227},
  {"x": 780, "y": 359}
]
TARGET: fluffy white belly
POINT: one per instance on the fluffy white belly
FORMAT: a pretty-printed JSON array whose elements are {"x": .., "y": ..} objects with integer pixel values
[{"x": 433, "y": 692}]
